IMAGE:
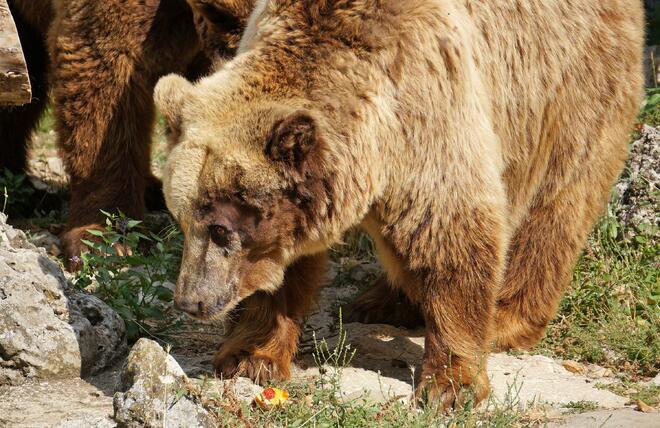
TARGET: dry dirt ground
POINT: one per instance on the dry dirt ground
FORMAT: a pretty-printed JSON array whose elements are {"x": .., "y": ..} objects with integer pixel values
[{"x": 548, "y": 391}]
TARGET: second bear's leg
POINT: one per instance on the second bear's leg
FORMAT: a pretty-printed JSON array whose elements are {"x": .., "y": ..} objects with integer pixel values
[
  {"x": 106, "y": 59},
  {"x": 264, "y": 341}
]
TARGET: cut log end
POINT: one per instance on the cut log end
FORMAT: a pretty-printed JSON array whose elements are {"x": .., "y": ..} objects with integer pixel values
[{"x": 14, "y": 79}]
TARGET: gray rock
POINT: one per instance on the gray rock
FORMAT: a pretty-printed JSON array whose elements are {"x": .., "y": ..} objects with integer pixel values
[
  {"x": 240, "y": 388},
  {"x": 101, "y": 332},
  {"x": 244, "y": 389},
  {"x": 48, "y": 174},
  {"x": 621, "y": 418},
  {"x": 638, "y": 203},
  {"x": 69, "y": 403},
  {"x": 46, "y": 240},
  {"x": 656, "y": 380},
  {"x": 154, "y": 388},
  {"x": 49, "y": 329}
]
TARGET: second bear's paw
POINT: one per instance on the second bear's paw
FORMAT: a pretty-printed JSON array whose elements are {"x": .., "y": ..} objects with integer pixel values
[{"x": 259, "y": 368}]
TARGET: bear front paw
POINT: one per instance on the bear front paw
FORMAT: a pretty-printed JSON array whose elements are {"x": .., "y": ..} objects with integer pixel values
[
  {"x": 259, "y": 368},
  {"x": 73, "y": 245},
  {"x": 439, "y": 389}
]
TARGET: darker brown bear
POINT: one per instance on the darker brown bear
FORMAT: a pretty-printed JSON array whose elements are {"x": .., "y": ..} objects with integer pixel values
[{"x": 100, "y": 61}]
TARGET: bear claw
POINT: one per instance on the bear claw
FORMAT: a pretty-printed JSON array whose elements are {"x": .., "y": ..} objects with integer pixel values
[
  {"x": 443, "y": 392},
  {"x": 260, "y": 369}
]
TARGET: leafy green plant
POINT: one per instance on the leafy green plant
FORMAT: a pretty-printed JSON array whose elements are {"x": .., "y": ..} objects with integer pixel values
[
  {"x": 130, "y": 280},
  {"x": 581, "y": 406},
  {"x": 16, "y": 192}
]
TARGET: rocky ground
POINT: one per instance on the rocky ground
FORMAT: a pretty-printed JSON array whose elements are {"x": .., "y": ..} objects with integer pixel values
[
  {"x": 640, "y": 184},
  {"x": 64, "y": 360}
]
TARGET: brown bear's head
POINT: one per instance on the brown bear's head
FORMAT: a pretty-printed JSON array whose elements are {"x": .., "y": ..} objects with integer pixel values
[
  {"x": 272, "y": 155},
  {"x": 249, "y": 187}
]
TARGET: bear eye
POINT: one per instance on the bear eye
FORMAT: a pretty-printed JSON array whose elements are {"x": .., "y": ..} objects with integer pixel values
[{"x": 220, "y": 235}]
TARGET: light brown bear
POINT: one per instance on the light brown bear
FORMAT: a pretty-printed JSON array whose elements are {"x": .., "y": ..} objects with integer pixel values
[{"x": 476, "y": 142}]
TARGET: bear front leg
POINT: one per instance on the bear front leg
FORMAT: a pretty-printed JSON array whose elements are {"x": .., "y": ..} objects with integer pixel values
[
  {"x": 454, "y": 263},
  {"x": 263, "y": 342},
  {"x": 458, "y": 298}
]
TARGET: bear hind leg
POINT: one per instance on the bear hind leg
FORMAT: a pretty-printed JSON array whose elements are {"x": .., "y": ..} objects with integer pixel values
[{"x": 543, "y": 254}]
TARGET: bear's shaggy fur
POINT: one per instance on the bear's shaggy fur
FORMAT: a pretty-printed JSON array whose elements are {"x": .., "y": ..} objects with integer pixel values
[
  {"x": 101, "y": 61},
  {"x": 476, "y": 142}
]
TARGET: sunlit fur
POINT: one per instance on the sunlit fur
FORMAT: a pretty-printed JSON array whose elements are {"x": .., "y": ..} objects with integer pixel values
[{"x": 475, "y": 141}]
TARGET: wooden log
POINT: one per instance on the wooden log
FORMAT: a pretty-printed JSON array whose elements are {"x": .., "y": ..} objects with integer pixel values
[{"x": 14, "y": 80}]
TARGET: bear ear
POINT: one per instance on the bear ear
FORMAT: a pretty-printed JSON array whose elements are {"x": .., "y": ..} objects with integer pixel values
[
  {"x": 169, "y": 96},
  {"x": 292, "y": 139}
]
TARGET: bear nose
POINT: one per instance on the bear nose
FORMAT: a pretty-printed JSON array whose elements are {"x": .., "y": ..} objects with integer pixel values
[{"x": 191, "y": 306}]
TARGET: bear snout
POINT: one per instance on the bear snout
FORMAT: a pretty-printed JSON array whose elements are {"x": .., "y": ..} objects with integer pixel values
[{"x": 197, "y": 306}]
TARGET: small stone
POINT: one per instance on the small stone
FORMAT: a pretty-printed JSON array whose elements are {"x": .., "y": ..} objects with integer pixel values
[
  {"x": 244, "y": 389},
  {"x": 56, "y": 166},
  {"x": 599, "y": 372},
  {"x": 44, "y": 239},
  {"x": 155, "y": 392},
  {"x": 656, "y": 380},
  {"x": 573, "y": 366},
  {"x": 643, "y": 407}
]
